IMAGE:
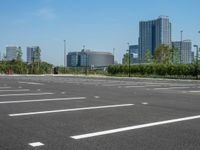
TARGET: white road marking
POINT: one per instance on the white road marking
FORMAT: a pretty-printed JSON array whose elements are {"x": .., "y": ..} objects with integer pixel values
[
  {"x": 5, "y": 87},
  {"x": 69, "y": 110},
  {"x": 36, "y": 144},
  {"x": 194, "y": 91},
  {"x": 171, "y": 88},
  {"x": 21, "y": 90},
  {"x": 145, "y": 103},
  {"x": 25, "y": 94},
  {"x": 135, "y": 86},
  {"x": 96, "y": 97},
  {"x": 43, "y": 100},
  {"x": 32, "y": 83},
  {"x": 106, "y": 132}
]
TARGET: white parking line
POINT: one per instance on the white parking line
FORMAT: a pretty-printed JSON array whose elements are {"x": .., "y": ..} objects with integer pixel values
[
  {"x": 25, "y": 94},
  {"x": 5, "y": 87},
  {"x": 69, "y": 110},
  {"x": 194, "y": 91},
  {"x": 171, "y": 88},
  {"x": 43, "y": 100},
  {"x": 32, "y": 83},
  {"x": 36, "y": 144},
  {"x": 145, "y": 103},
  {"x": 21, "y": 90},
  {"x": 106, "y": 132},
  {"x": 135, "y": 86}
]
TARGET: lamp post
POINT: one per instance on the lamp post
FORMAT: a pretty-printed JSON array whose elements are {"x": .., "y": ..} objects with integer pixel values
[
  {"x": 64, "y": 53},
  {"x": 181, "y": 46},
  {"x": 129, "y": 61},
  {"x": 197, "y": 61},
  {"x": 86, "y": 64}
]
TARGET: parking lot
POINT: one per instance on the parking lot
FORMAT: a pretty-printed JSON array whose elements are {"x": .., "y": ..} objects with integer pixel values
[{"x": 85, "y": 113}]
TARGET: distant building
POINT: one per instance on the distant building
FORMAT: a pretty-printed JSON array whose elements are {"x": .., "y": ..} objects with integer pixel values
[
  {"x": 89, "y": 58},
  {"x": 11, "y": 53},
  {"x": 152, "y": 34},
  {"x": 32, "y": 54},
  {"x": 185, "y": 49}
]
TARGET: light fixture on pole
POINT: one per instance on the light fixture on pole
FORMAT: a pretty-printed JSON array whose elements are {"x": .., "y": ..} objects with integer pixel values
[
  {"x": 64, "y": 53},
  {"x": 197, "y": 61},
  {"x": 181, "y": 46},
  {"x": 129, "y": 60}
]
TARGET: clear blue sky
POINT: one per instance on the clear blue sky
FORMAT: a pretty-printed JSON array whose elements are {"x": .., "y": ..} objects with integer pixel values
[{"x": 99, "y": 24}]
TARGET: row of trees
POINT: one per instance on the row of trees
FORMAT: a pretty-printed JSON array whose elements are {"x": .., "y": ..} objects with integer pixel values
[
  {"x": 164, "y": 54},
  {"x": 17, "y": 66},
  {"x": 154, "y": 70},
  {"x": 164, "y": 62}
]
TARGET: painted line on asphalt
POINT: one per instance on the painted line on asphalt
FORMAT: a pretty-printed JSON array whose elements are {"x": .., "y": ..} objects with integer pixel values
[
  {"x": 145, "y": 103},
  {"x": 25, "y": 94},
  {"x": 5, "y": 87},
  {"x": 70, "y": 110},
  {"x": 43, "y": 100},
  {"x": 135, "y": 86},
  {"x": 36, "y": 144},
  {"x": 31, "y": 83},
  {"x": 20, "y": 90},
  {"x": 171, "y": 88},
  {"x": 194, "y": 91},
  {"x": 106, "y": 132}
]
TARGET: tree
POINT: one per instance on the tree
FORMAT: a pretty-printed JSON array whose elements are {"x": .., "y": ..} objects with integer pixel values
[
  {"x": 19, "y": 54},
  {"x": 126, "y": 58},
  {"x": 176, "y": 56},
  {"x": 148, "y": 56},
  {"x": 163, "y": 54}
]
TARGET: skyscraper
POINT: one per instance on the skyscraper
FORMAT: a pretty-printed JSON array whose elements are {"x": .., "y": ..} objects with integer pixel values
[
  {"x": 32, "y": 54},
  {"x": 186, "y": 51},
  {"x": 11, "y": 53},
  {"x": 152, "y": 34}
]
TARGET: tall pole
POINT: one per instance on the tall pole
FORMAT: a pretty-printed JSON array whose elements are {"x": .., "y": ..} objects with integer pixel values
[
  {"x": 129, "y": 61},
  {"x": 64, "y": 53},
  {"x": 114, "y": 53},
  {"x": 181, "y": 45},
  {"x": 197, "y": 61},
  {"x": 86, "y": 64}
]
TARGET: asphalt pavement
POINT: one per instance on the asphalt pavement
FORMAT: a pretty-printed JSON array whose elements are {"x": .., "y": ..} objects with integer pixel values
[{"x": 87, "y": 113}]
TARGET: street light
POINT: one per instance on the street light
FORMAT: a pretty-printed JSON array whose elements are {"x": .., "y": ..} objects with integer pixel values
[
  {"x": 197, "y": 61},
  {"x": 86, "y": 64},
  {"x": 181, "y": 46},
  {"x": 129, "y": 60},
  {"x": 64, "y": 53}
]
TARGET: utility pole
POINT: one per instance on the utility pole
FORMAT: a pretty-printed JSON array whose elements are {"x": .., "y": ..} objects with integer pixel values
[
  {"x": 64, "y": 53},
  {"x": 181, "y": 45},
  {"x": 197, "y": 61},
  {"x": 129, "y": 61}
]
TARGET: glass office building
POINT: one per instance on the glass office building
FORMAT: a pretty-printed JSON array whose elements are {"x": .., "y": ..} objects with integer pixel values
[{"x": 152, "y": 34}]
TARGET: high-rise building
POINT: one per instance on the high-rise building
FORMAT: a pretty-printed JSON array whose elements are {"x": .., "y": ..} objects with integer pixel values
[
  {"x": 32, "y": 54},
  {"x": 11, "y": 53},
  {"x": 186, "y": 51},
  {"x": 152, "y": 34}
]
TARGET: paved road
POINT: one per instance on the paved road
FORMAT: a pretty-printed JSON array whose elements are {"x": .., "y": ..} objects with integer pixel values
[{"x": 79, "y": 113}]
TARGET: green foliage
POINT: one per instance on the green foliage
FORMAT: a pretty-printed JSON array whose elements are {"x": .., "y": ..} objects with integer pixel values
[
  {"x": 164, "y": 54},
  {"x": 126, "y": 58},
  {"x": 148, "y": 58},
  {"x": 19, "y": 54},
  {"x": 156, "y": 70},
  {"x": 19, "y": 67}
]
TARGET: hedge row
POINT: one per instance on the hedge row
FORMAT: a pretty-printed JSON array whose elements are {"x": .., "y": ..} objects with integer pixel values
[{"x": 184, "y": 70}]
